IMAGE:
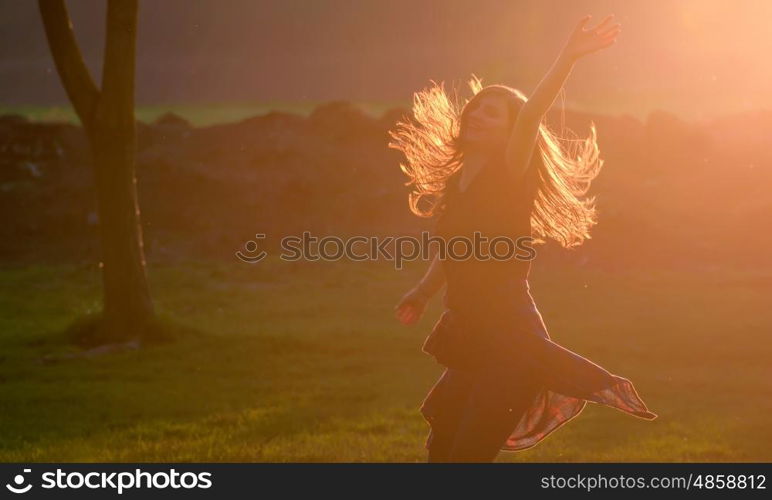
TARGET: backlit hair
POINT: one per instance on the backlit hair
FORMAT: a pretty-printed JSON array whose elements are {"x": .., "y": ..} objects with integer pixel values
[{"x": 563, "y": 168}]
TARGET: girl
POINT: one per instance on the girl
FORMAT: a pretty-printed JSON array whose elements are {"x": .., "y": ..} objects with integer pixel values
[{"x": 494, "y": 169}]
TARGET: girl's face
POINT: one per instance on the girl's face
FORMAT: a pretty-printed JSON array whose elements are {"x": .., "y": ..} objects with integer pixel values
[{"x": 486, "y": 123}]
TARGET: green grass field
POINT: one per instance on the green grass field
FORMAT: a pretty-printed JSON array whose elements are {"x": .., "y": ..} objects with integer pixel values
[{"x": 304, "y": 362}]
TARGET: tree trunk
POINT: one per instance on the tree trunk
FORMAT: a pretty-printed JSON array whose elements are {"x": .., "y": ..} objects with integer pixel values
[
  {"x": 107, "y": 116},
  {"x": 127, "y": 306}
]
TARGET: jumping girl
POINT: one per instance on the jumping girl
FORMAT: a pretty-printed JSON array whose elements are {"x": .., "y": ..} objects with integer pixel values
[{"x": 495, "y": 169}]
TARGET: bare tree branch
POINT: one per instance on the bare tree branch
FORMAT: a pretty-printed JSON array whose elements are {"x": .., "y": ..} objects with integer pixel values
[
  {"x": 76, "y": 79},
  {"x": 119, "y": 60}
]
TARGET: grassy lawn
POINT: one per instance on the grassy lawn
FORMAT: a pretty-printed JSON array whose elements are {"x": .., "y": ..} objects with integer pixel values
[{"x": 304, "y": 362}]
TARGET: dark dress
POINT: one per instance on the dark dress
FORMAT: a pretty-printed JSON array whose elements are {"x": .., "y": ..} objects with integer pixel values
[{"x": 491, "y": 337}]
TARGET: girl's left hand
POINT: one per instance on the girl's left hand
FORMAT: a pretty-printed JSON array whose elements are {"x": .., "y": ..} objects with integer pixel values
[{"x": 586, "y": 41}]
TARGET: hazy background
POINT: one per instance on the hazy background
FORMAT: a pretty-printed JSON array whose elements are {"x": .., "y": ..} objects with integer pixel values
[{"x": 697, "y": 58}]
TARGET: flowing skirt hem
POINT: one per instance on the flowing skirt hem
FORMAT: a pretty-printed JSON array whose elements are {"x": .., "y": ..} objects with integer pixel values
[
  {"x": 551, "y": 410},
  {"x": 568, "y": 380}
]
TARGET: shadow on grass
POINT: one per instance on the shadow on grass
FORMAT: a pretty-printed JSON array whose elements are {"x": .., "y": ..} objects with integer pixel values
[{"x": 87, "y": 331}]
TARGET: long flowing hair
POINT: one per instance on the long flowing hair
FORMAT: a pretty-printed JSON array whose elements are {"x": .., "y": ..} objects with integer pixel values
[{"x": 563, "y": 169}]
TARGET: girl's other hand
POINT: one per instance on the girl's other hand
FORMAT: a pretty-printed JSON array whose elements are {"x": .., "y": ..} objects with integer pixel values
[{"x": 411, "y": 307}]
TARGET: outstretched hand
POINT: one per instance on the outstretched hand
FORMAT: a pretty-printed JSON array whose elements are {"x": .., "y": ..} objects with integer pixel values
[{"x": 584, "y": 41}]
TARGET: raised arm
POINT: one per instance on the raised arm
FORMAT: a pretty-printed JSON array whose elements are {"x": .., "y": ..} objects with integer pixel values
[{"x": 582, "y": 42}]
